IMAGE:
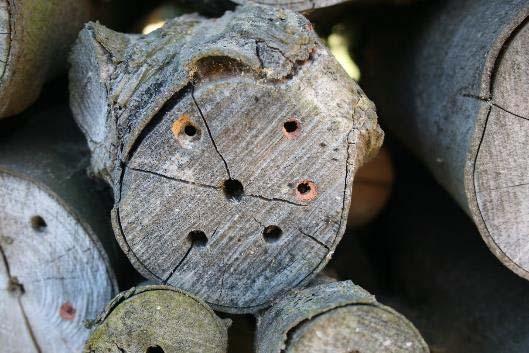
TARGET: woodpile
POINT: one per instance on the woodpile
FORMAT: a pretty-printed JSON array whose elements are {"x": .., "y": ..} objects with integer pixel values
[{"x": 215, "y": 181}]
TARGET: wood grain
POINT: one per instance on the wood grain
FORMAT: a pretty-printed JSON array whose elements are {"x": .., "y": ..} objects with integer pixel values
[
  {"x": 55, "y": 238},
  {"x": 5, "y": 32},
  {"x": 462, "y": 110},
  {"x": 208, "y": 144},
  {"x": 335, "y": 317},
  {"x": 156, "y": 319}
]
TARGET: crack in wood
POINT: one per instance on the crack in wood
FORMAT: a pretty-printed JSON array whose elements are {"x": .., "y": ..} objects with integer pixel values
[
  {"x": 183, "y": 181},
  {"x": 491, "y": 103},
  {"x": 19, "y": 301},
  {"x": 314, "y": 239},
  {"x": 209, "y": 131},
  {"x": 264, "y": 198}
]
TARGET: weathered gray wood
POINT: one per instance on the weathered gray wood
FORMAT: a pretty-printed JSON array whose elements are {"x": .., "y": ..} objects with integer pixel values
[
  {"x": 454, "y": 290},
  {"x": 335, "y": 317},
  {"x": 158, "y": 319},
  {"x": 231, "y": 146},
  {"x": 461, "y": 105},
  {"x": 54, "y": 238},
  {"x": 35, "y": 37}
]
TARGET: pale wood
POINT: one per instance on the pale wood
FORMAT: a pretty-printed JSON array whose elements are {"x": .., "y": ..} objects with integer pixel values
[
  {"x": 460, "y": 105},
  {"x": 158, "y": 319},
  {"x": 236, "y": 81},
  {"x": 54, "y": 270},
  {"x": 35, "y": 37},
  {"x": 335, "y": 317},
  {"x": 371, "y": 189}
]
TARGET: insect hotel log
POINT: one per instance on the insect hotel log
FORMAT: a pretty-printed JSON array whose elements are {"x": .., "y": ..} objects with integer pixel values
[
  {"x": 231, "y": 146},
  {"x": 458, "y": 99},
  {"x": 56, "y": 252}
]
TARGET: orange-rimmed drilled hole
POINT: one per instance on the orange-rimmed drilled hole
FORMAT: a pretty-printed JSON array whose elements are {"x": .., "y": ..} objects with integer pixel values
[{"x": 185, "y": 131}]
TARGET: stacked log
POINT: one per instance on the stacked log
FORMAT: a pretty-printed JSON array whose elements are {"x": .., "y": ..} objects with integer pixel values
[
  {"x": 454, "y": 93},
  {"x": 158, "y": 319},
  {"x": 230, "y": 145},
  {"x": 57, "y": 257},
  {"x": 460, "y": 297},
  {"x": 336, "y": 317}
]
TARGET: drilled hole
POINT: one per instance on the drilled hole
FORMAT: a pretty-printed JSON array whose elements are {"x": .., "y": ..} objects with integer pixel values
[
  {"x": 154, "y": 349},
  {"x": 233, "y": 189},
  {"x": 198, "y": 238},
  {"x": 291, "y": 126},
  {"x": 38, "y": 223},
  {"x": 304, "y": 188},
  {"x": 190, "y": 130},
  {"x": 272, "y": 233}
]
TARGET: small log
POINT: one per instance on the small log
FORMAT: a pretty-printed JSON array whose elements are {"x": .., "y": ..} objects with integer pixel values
[
  {"x": 455, "y": 94},
  {"x": 231, "y": 146},
  {"x": 158, "y": 319},
  {"x": 460, "y": 297},
  {"x": 335, "y": 317},
  {"x": 35, "y": 37},
  {"x": 56, "y": 244}
]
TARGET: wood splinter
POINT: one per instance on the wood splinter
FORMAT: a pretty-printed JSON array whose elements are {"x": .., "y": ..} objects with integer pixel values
[
  {"x": 158, "y": 319},
  {"x": 335, "y": 317},
  {"x": 231, "y": 146},
  {"x": 57, "y": 257}
]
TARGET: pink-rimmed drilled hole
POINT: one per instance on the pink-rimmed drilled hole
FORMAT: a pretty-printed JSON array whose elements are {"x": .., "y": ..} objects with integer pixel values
[
  {"x": 67, "y": 311},
  {"x": 292, "y": 128},
  {"x": 306, "y": 190}
]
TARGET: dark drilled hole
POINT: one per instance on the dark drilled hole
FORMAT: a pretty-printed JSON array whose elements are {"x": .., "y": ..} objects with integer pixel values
[
  {"x": 154, "y": 349},
  {"x": 38, "y": 223},
  {"x": 233, "y": 189},
  {"x": 291, "y": 126},
  {"x": 303, "y": 188},
  {"x": 272, "y": 233},
  {"x": 198, "y": 238},
  {"x": 190, "y": 130}
]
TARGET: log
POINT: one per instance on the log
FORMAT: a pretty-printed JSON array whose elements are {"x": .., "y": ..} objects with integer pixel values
[
  {"x": 335, "y": 317},
  {"x": 231, "y": 150},
  {"x": 460, "y": 297},
  {"x": 56, "y": 244},
  {"x": 158, "y": 319},
  {"x": 35, "y": 37},
  {"x": 455, "y": 96}
]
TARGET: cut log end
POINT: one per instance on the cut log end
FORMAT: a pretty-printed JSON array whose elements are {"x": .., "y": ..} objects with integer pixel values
[
  {"x": 499, "y": 184},
  {"x": 157, "y": 319},
  {"x": 302, "y": 6},
  {"x": 52, "y": 274},
  {"x": 337, "y": 318},
  {"x": 5, "y": 36},
  {"x": 238, "y": 168}
]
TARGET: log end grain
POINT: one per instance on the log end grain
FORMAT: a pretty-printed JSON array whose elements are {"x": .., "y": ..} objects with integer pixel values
[
  {"x": 231, "y": 154},
  {"x": 497, "y": 178},
  {"x": 53, "y": 273},
  {"x": 157, "y": 319},
  {"x": 301, "y": 6},
  {"x": 335, "y": 317},
  {"x": 5, "y": 34}
]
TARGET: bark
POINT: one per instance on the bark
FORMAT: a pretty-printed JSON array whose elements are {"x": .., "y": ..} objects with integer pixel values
[
  {"x": 157, "y": 319},
  {"x": 231, "y": 150},
  {"x": 454, "y": 94},
  {"x": 335, "y": 317},
  {"x": 56, "y": 243}
]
